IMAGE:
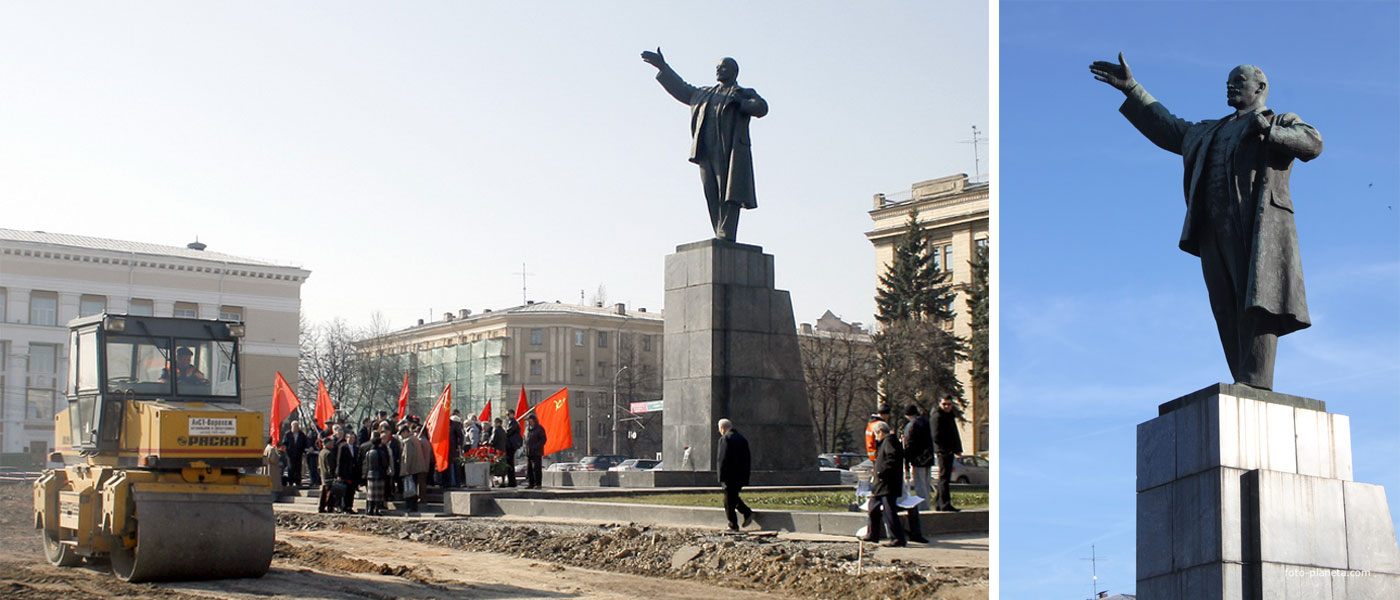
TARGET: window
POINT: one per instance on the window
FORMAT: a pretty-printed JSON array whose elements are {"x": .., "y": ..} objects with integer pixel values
[
  {"x": 578, "y": 368},
  {"x": 38, "y": 404},
  {"x": 578, "y": 426},
  {"x": 186, "y": 310},
  {"x": 536, "y": 337},
  {"x": 90, "y": 305},
  {"x": 231, "y": 313},
  {"x": 141, "y": 308},
  {"x": 982, "y": 243},
  {"x": 43, "y": 359},
  {"x": 3, "y": 299},
  {"x": 602, "y": 339},
  {"x": 534, "y": 398},
  {"x": 602, "y": 428},
  {"x": 948, "y": 258},
  {"x": 937, "y": 256},
  {"x": 646, "y": 342},
  {"x": 580, "y": 337},
  {"x": 603, "y": 369},
  {"x": 536, "y": 366},
  {"x": 43, "y": 308}
]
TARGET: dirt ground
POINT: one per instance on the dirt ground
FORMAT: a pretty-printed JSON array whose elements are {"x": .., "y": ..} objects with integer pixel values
[{"x": 338, "y": 556}]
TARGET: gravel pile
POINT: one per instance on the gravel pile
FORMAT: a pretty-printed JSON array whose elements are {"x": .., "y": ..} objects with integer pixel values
[{"x": 755, "y": 562}]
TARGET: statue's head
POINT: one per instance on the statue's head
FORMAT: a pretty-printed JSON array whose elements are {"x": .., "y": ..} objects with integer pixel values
[
  {"x": 1246, "y": 88},
  {"x": 727, "y": 71}
]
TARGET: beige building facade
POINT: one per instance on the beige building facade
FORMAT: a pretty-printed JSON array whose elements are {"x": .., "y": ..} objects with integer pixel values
[
  {"x": 48, "y": 279},
  {"x": 955, "y": 212},
  {"x": 600, "y": 353}
]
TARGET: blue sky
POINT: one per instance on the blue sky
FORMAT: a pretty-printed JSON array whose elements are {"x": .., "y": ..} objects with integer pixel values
[
  {"x": 1102, "y": 318},
  {"x": 413, "y": 155}
]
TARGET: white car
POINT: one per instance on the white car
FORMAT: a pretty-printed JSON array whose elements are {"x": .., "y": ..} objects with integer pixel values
[
  {"x": 563, "y": 466},
  {"x": 967, "y": 469},
  {"x": 636, "y": 464}
]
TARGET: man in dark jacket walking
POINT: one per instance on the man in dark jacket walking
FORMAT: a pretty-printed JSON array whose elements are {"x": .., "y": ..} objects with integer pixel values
[
  {"x": 948, "y": 445},
  {"x": 886, "y": 484},
  {"x": 535, "y": 439},
  {"x": 733, "y": 460}
]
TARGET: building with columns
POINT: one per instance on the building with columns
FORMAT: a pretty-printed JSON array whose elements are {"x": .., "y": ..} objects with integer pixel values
[
  {"x": 49, "y": 279},
  {"x": 608, "y": 357},
  {"x": 955, "y": 212}
]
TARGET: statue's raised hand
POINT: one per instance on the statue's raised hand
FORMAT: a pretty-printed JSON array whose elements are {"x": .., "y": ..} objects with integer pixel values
[
  {"x": 1118, "y": 76},
  {"x": 654, "y": 59}
]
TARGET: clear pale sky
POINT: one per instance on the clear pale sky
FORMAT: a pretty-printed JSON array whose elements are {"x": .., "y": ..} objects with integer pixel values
[
  {"x": 1102, "y": 318},
  {"x": 414, "y": 155}
]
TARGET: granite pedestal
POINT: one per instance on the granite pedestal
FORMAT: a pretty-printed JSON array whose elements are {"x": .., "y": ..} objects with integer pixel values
[
  {"x": 1246, "y": 494},
  {"x": 731, "y": 351}
]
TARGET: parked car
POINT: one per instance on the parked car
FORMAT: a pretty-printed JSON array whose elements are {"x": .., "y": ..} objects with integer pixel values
[
  {"x": 847, "y": 477},
  {"x": 601, "y": 462},
  {"x": 635, "y": 464},
  {"x": 842, "y": 460},
  {"x": 967, "y": 469},
  {"x": 562, "y": 466},
  {"x": 660, "y": 466}
]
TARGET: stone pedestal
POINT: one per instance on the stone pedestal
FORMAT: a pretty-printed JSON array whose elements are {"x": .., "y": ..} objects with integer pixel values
[
  {"x": 731, "y": 351},
  {"x": 1245, "y": 494}
]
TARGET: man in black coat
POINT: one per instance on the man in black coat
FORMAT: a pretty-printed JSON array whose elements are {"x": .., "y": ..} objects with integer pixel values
[
  {"x": 948, "y": 445},
  {"x": 918, "y": 452},
  {"x": 295, "y": 442},
  {"x": 886, "y": 483},
  {"x": 513, "y": 442},
  {"x": 347, "y": 469},
  {"x": 733, "y": 460},
  {"x": 535, "y": 440}
]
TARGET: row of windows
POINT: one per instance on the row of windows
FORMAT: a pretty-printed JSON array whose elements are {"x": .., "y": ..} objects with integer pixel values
[
  {"x": 537, "y": 368},
  {"x": 43, "y": 308},
  {"x": 581, "y": 339}
]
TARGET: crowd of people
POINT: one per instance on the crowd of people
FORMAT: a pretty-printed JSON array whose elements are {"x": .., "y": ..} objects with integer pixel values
[
  {"x": 907, "y": 457},
  {"x": 394, "y": 460}
]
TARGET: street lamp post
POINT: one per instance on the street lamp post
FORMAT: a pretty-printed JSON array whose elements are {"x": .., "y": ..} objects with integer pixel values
[{"x": 614, "y": 410}]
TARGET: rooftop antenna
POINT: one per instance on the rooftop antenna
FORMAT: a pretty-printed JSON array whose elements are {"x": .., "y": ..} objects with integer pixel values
[
  {"x": 1094, "y": 565},
  {"x": 523, "y": 274},
  {"x": 976, "y": 158}
]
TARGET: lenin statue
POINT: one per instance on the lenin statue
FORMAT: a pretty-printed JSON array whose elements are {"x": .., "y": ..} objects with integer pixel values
[
  {"x": 719, "y": 137},
  {"x": 1239, "y": 216}
]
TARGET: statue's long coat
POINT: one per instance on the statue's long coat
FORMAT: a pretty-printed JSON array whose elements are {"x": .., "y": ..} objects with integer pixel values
[
  {"x": 738, "y": 105},
  {"x": 1258, "y": 169}
]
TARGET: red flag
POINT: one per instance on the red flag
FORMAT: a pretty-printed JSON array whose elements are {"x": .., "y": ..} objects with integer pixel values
[
  {"x": 440, "y": 427},
  {"x": 485, "y": 413},
  {"x": 520, "y": 408},
  {"x": 284, "y": 402},
  {"x": 324, "y": 408},
  {"x": 553, "y": 415},
  {"x": 403, "y": 398}
]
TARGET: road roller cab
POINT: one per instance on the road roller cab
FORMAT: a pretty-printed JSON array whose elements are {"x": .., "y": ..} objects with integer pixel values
[{"x": 159, "y": 456}]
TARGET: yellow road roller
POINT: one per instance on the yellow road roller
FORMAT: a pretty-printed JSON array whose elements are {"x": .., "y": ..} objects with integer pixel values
[{"x": 159, "y": 457}]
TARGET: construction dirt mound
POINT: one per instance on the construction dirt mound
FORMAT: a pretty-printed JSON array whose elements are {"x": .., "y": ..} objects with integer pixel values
[{"x": 750, "y": 562}]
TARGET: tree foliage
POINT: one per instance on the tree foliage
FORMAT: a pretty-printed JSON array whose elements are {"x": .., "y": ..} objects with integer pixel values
[
  {"x": 917, "y": 349},
  {"x": 978, "y": 296},
  {"x": 841, "y": 379},
  {"x": 357, "y": 387}
]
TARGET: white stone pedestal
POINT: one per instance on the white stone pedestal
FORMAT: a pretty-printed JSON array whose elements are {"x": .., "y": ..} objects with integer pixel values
[{"x": 1245, "y": 494}]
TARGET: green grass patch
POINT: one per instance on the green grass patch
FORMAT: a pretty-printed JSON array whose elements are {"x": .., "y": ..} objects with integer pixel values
[{"x": 815, "y": 501}]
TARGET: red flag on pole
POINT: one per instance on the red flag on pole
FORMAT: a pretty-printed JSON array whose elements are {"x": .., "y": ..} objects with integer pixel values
[
  {"x": 403, "y": 398},
  {"x": 325, "y": 410},
  {"x": 553, "y": 415},
  {"x": 521, "y": 408},
  {"x": 440, "y": 428},
  {"x": 485, "y": 413},
  {"x": 284, "y": 402}
]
